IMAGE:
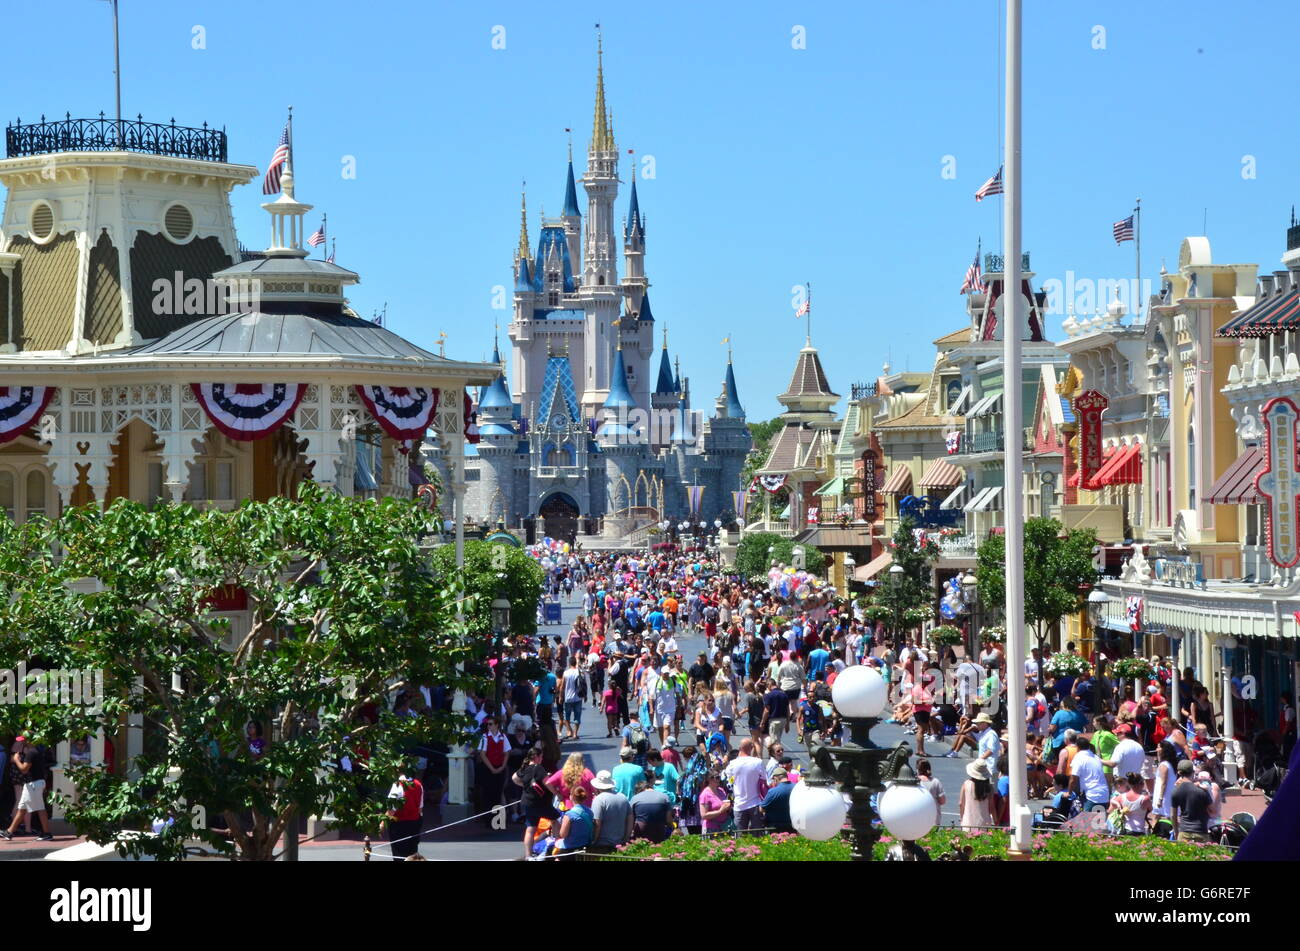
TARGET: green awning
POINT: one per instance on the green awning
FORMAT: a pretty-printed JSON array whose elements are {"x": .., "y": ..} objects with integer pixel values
[
  {"x": 834, "y": 487},
  {"x": 785, "y": 513}
]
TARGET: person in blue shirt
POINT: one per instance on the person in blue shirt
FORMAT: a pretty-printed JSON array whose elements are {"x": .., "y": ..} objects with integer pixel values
[
  {"x": 578, "y": 824},
  {"x": 656, "y": 620},
  {"x": 545, "y": 696},
  {"x": 776, "y": 804},
  {"x": 1066, "y": 718},
  {"x": 817, "y": 661}
]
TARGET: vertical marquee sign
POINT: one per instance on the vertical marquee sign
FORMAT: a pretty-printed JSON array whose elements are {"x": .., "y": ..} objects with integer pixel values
[
  {"x": 869, "y": 485},
  {"x": 1088, "y": 407},
  {"x": 1279, "y": 484}
]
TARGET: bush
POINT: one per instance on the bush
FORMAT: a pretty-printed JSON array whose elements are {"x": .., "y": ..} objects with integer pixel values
[
  {"x": 753, "y": 558},
  {"x": 983, "y": 843},
  {"x": 1133, "y": 668},
  {"x": 945, "y": 635}
]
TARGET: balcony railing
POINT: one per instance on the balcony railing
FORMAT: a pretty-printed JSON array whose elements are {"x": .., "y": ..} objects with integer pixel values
[
  {"x": 109, "y": 135},
  {"x": 996, "y": 442},
  {"x": 862, "y": 391},
  {"x": 994, "y": 262}
]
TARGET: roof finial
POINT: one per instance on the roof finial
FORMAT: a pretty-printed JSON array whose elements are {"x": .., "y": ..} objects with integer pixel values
[
  {"x": 618, "y": 329},
  {"x": 286, "y": 179},
  {"x": 569, "y": 133},
  {"x": 665, "y": 338},
  {"x": 523, "y": 221}
]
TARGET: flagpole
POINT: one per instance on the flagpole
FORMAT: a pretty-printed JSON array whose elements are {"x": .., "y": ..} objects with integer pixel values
[
  {"x": 1013, "y": 468},
  {"x": 808, "y": 289},
  {"x": 324, "y": 223},
  {"x": 1137, "y": 240}
]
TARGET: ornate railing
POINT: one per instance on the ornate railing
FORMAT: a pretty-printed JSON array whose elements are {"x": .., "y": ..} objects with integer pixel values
[
  {"x": 862, "y": 391},
  {"x": 108, "y": 135},
  {"x": 993, "y": 263}
]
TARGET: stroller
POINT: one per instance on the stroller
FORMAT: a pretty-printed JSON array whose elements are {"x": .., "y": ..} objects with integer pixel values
[{"x": 1270, "y": 766}]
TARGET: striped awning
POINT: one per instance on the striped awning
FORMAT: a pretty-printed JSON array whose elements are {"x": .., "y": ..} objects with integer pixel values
[
  {"x": 956, "y": 500},
  {"x": 899, "y": 481},
  {"x": 872, "y": 568},
  {"x": 941, "y": 474},
  {"x": 833, "y": 487},
  {"x": 985, "y": 500},
  {"x": 1124, "y": 468},
  {"x": 1273, "y": 314},
  {"x": 1237, "y": 485},
  {"x": 1073, "y": 481},
  {"x": 989, "y": 404}
]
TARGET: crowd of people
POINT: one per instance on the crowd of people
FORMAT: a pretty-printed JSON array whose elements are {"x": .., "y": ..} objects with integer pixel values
[{"x": 764, "y": 679}]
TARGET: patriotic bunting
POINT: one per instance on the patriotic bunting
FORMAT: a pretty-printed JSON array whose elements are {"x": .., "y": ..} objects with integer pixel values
[
  {"x": 813, "y": 514},
  {"x": 20, "y": 408},
  {"x": 403, "y": 412},
  {"x": 248, "y": 411},
  {"x": 772, "y": 483},
  {"x": 1133, "y": 609}
]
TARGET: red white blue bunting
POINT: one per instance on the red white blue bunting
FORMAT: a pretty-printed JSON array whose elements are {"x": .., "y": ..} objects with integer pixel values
[
  {"x": 403, "y": 412},
  {"x": 20, "y": 408},
  {"x": 772, "y": 483},
  {"x": 248, "y": 411}
]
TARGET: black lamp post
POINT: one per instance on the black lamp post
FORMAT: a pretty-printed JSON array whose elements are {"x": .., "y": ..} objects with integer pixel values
[
  {"x": 896, "y": 589},
  {"x": 500, "y": 637},
  {"x": 970, "y": 597}
]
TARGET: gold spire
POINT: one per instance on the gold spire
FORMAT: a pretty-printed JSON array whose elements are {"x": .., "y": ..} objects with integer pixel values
[
  {"x": 618, "y": 325},
  {"x": 665, "y": 338},
  {"x": 602, "y": 139},
  {"x": 523, "y": 223}
]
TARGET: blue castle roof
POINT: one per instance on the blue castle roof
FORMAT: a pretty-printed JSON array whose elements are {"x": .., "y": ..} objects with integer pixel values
[
  {"x": 620, "y": 394},
  {"x": 553, "y": 237},
  {"x": 734, "y": 409},
  {"x": 558, "y": 391},
  {"x": 570, "y": 195},
  {"x": 665, "y": 383},
  {"x": 646, "y": 313},
  {"x": 495, "y": 395},
  {"x": 634, "y": 223},
  {"x": 524, "y": 282}
]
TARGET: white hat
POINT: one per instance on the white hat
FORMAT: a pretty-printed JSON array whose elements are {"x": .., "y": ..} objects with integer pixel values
[{"x": 604, "y": 781}]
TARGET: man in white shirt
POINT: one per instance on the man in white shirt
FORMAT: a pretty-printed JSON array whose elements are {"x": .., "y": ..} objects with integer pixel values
[
  {"x": 989, "y": 744},
  {"x": 1088, "y": 775},
  {"x": 664, "y": 704},
  {"x": 746, "y": 775},
  {"x": 1128, "y": 755},
  {"x": 1031, "y": 666},
  {"x": 968, "y": 678}
]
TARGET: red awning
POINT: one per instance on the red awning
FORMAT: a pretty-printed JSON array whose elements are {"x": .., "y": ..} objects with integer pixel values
[
  {"x": 1237, "y": 485},
  {"x": 1124, "y": 468},
  {"x": 1073, "y": 481},
  {"x": 899, "y": 482}
]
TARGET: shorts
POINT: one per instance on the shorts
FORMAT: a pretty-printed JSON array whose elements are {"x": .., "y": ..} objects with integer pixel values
[
  {"x": 728, "y": 723},
  {"x": 33, "y": 796},
  {"x": 922, "y": 717},
  {"x": 573, "y": 711},
  {"x": 665, "y": 720},
  {"x": 776, "y": 727},
  {"x": 793, "y": 697}
]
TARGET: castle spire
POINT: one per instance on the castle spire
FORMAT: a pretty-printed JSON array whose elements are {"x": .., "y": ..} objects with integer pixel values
[
  {"x": 602, "y": 140},
  {"x": 570, "y": 191},
  {"x": 523, "y": 222}
]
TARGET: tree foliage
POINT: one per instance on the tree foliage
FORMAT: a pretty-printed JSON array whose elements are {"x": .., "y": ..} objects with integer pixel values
[
  {"x": 1058, "y": 572},
  {"x": 762, "y": 434},
  {"x": 912, "y": 589},
  {"x": 491, "y": 568},
  {"x": 753, "y": 558},
  {"x": 344, "y": 611}
]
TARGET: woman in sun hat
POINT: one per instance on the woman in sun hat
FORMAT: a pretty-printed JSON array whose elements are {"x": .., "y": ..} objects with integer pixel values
[{"x": 975, "y": 802}]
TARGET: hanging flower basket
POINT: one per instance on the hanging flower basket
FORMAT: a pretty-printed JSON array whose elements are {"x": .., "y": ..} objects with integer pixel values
[
  {"x": 877, "y": 613},
  {"x": 916, "y": 616},
  {"x": 995, "y": 633},
  {"x": 1063, "y": 665},
  {"x": 946, "y": 635},
  {"x": 1133, "y": 668}
]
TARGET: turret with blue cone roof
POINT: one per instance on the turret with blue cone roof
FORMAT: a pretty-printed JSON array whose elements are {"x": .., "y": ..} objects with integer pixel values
[{"x": 732, "y": 398}]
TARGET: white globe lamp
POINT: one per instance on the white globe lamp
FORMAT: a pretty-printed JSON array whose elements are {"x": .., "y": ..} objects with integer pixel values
[
  {"x": 859, "y": 693},
  {"x": 906, "y": 809},
  {"x": 817, "y": 812}
]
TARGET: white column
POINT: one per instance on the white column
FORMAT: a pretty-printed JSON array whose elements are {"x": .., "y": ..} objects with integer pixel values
[
  {"x": 453, "y": 447},
  {"x": 1013, "y": 422},
  {"x": 1175, "y": 683},
  {"x": 1229, "y": 754}
]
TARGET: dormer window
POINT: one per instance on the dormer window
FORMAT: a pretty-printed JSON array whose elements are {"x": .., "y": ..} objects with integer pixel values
[
  {"x": 553, "y": 299},
  {"x": 553, "y": 277}
]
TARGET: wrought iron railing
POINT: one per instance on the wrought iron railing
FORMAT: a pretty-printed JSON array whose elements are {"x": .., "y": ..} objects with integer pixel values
[
  {"x": 993, "y": 262},
  {"x": 109, "y": 135},
  {"x": 862, "y": 391}
]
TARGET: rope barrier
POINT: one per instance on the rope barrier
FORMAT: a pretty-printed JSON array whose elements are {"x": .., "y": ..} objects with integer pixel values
[{"x": 368, "y": 850}]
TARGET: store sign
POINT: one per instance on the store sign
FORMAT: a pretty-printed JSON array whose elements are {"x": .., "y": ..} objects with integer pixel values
[
  {"x": 1279, "y": 484},
  {"x": 1180, "y": 572},
  {"x": 869, "y": 485},
  {"x": 1088, "y": 407}
]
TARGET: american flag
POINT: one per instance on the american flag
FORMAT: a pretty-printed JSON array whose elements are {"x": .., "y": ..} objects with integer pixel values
[
  {"x": 806, "y": 307},
  {"x": 317, "y": 239},
  {"x": 333, "y": 248},
  {"x": 271, "y": 182},
  {"x": 1123, "y": 230},
  {"x": 973, "y": 281},
  {"x": 992, "y": 187}
]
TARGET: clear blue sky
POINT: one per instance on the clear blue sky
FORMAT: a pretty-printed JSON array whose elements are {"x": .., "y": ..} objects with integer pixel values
[{"x": 775, "y": 166}]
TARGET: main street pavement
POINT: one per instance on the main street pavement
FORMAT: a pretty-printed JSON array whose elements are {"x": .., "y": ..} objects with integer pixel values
[{"x": 469, "y": 841}]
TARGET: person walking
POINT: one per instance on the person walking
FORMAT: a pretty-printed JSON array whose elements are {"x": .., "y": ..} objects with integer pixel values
[
  {"x": 29, "y": 768},
  {"x": 406, "y": 817}
]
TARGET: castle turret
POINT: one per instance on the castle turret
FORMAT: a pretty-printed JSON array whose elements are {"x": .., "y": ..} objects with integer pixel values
[
  {"x": 727, "y": 441},
  {"x": 572, "y": 216},
  {"x": 496, "y": 448},
  {"x": 634, "y": 279}
]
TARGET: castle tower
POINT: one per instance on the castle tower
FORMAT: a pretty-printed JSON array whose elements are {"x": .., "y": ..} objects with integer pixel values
[
  {"x": 600, "y": 294},
  {"x": 525, "y": 302},
  {"x": 634, "y": 279},
  {"x": 727, "y": 442},
  {"x": 621, "y": 444},
  {"x": 663, "y": 401},
  {"x": 572, "y": 217},
  {"x": 496, "y": 449}
]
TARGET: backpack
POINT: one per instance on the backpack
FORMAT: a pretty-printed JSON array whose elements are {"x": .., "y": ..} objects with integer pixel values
[
  {"x": 582, "y": 687},
  {"x": 637, "y": 737}
]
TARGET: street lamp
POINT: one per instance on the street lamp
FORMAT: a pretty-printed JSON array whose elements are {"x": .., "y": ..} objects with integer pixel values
[
  {"x": 860, "y": 769},
  {"x": 500, "y": 633},
  {"x": 895, "y": 586},
  {"x": 850, "y": 563},
  {"x": 907, "y": 811},
  {"x": 970, "y": 597}
]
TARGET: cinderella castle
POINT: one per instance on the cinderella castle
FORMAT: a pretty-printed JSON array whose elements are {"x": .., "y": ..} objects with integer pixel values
[{"x": 576, "y": 437}]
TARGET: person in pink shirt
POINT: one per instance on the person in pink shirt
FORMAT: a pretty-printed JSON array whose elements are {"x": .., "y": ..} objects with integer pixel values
[
  {"x": 571, "y": 775},
  {"x": 715, "y": 807}
]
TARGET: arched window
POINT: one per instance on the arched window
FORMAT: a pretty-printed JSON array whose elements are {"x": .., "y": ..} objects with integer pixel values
[
  {"x": 36, "y": 486},
  {"x": 7, "y": 493}
]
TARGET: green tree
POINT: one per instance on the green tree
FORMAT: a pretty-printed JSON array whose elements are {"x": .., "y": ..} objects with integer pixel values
[
  {"x": 491, "y": 568},
  {"x": 1058, "y": 573},
  {"x": 344, "y": 610},
  {"x": 755, "y": 554},
  {"x": 912, "y": 589}
]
